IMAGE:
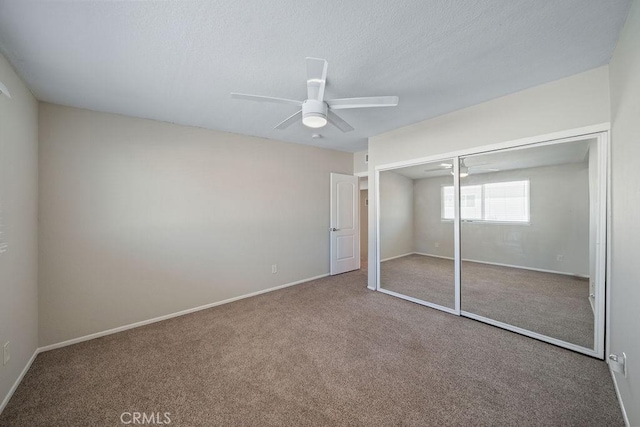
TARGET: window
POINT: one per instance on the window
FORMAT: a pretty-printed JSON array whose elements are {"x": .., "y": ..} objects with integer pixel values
[{"x": 494, "y": 202}]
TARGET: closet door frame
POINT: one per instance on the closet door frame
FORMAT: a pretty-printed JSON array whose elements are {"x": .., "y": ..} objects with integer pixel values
[{"x": 602, "y": 303}]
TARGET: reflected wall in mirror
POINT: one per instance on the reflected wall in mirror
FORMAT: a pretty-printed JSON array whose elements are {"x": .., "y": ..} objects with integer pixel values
[
  {"x": 528, "y": 238},
  {"x": 417, "y": 232}
]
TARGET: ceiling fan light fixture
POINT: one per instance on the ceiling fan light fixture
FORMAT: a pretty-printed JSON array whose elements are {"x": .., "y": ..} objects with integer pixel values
[
  {"x": 464, "y": 172},
  {"x": 314, "y": 113},
  {"x": 314, "y": 120}
]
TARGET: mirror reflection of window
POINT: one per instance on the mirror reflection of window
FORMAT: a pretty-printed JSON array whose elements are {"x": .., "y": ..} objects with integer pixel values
[{"x": 496, "y": 202}]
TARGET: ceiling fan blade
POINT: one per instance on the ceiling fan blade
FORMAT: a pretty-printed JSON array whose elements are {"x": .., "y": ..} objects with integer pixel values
[
  {"x": 439, "y": 167},
  {"x": 260, "y": 98},
  {"x": 337, "y": 121},
  {"x": 484, "y": 169},
  {"x": 316, "y": 78},
  {"x": 480, "y": 164},
  {"x": 289, "y": 120},
  {"x": 368, "y": 102}
]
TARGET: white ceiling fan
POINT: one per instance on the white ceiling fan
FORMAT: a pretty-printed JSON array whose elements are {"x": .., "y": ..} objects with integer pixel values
[
  {"x": 465, "y": 170},
  {"x": 315, "y": 110}
]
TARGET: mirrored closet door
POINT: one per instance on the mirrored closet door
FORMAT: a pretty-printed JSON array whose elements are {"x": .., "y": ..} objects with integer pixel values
[
  {"x": 417, "y": 245},
  {"x": 514, "y": 237},
  {"x": 529, "y": 243}
]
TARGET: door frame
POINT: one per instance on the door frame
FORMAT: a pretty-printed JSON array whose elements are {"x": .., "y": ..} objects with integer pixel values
[{"x": 603, "y": 308}]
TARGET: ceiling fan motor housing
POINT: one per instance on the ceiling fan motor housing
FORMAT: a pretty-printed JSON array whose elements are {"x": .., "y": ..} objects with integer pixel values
[{"x": 314, "y": 113}]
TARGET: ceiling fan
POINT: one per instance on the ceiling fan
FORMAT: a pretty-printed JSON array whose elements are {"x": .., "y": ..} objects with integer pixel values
[
  {"x": 315, "y": 110},
  {"x": 464, "y": 169}
]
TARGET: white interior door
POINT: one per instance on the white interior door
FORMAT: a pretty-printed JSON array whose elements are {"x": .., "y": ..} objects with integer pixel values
[{"x": 344, "y": 227}]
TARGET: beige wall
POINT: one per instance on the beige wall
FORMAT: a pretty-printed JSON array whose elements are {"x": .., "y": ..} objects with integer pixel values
[
  {"x": 18, "y": 203},
  {"x": 396, "y": 215},
  {"x": 573, "y": 102},
  {"x": 359, "y": 165},
  {"x": 625, "y": 251},
  {"x": 559, "y": 225},
  {"x": 141, "y": 219},
  {"x": 432, "y": 235}
]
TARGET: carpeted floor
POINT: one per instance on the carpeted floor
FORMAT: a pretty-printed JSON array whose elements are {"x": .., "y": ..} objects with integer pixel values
[
  {"x": 555, "y": 305},
  {"x": 328, "y": 352}
]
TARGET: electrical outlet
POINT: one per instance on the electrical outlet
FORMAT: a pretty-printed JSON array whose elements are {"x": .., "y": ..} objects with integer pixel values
[
  {"x": 618, "y": 363},
  {"x": 274, "y": 268},
  {"x": 560, "y": 258},
  {"x": 6, "y": 354}
]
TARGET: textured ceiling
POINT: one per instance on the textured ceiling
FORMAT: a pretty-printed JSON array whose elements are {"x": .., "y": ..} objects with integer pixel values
[{"x": 178, "y": 61}]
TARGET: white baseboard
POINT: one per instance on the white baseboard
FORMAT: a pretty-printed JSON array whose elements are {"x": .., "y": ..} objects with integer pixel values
[
  {"x": 18, "y": 381},
  {"x": 172, "y": 315},
  {"x": 398, "y": 256},
  {"x": 541, "y": 270},
  {"x": 615, "y": 385},
  {"x": 450, "y": 258}
]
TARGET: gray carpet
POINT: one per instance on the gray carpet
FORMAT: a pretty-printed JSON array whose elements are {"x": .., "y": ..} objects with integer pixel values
[
  {"x": 329, "y": 352},
  {"x": 554, "y": 305}
]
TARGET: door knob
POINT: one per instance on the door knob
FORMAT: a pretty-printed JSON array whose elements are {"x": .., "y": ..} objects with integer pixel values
[{"x": 335, "y": 229}]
